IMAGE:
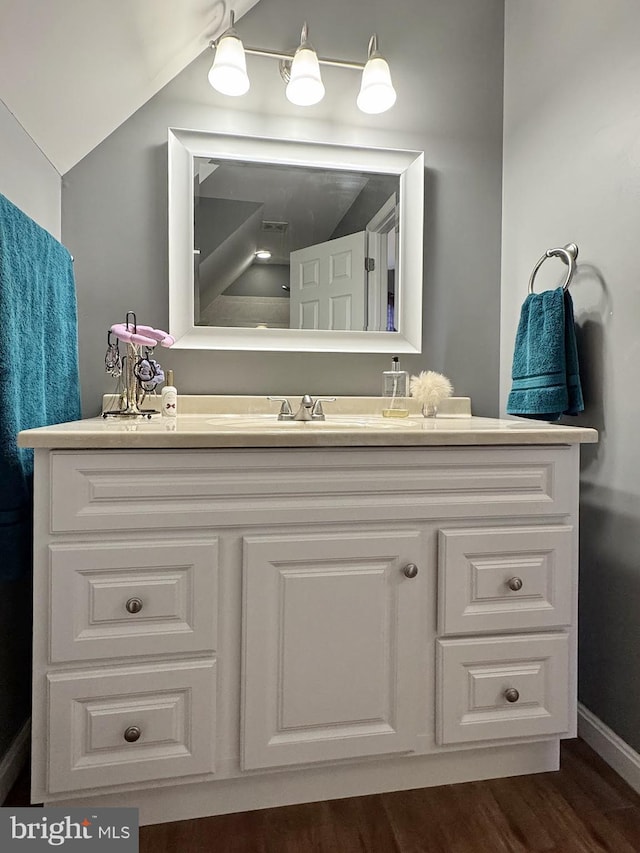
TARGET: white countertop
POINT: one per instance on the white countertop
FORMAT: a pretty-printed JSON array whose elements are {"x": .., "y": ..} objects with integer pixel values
[{"x": 210, "y": 422}]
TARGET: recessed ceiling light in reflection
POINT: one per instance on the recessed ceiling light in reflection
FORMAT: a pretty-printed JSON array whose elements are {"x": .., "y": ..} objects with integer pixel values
[{"x": 263, "y": 254}]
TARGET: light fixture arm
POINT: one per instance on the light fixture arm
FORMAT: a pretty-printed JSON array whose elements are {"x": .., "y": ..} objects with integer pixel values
[
  {"x": 230, "y": 31},
  {"x": 288, "y": 57}
]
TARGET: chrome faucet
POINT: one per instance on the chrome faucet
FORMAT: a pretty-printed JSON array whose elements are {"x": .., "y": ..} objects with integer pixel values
[
  {"x": 309, "y": 409},
  {"x": 305, "y": 409}
]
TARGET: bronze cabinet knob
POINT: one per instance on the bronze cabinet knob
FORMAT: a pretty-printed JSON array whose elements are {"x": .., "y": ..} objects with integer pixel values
[{"x": 132, "y": 734}]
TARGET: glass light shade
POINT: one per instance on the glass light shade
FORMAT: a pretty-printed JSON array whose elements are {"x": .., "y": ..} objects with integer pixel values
[
  {"x": 305, "y": 86},
  {"x": 376, "y": 91},
  {"x": 228, "y": 74}
]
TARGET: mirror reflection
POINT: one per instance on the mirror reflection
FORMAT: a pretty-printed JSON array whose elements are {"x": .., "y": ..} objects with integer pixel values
[{"x": 294, "y": 247}]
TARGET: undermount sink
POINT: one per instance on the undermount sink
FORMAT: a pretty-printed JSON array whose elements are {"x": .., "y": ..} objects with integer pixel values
[{"x": 336, "y": 422}]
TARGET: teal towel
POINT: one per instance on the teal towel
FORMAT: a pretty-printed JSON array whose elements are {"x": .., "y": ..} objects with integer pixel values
[
  {"x": 546, "y": 377},
  {"x": 38, "y": 366}
]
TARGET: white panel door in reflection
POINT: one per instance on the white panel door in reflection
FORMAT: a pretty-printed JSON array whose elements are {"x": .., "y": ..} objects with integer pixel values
[{"x": 329, "y": 285}]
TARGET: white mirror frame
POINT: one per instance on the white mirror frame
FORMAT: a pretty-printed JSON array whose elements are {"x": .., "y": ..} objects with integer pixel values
[{"x": 184, "y": 145}]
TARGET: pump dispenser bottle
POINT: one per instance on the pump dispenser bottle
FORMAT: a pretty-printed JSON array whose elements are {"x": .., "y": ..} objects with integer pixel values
[
  {"x": 395, "y": 390},
  {"x": 169, "y": 398}
]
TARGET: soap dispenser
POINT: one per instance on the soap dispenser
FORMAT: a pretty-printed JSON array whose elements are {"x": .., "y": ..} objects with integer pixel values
[
  {"x": 395, "y": 390},
  {"x": 169, "y": 398}
]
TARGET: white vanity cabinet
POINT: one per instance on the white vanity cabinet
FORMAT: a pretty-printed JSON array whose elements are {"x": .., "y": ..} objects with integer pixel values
[{"x": 223, "y": 629}]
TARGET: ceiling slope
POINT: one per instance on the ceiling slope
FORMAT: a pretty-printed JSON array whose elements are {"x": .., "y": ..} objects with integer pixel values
[{"x": 71, "y": 71}]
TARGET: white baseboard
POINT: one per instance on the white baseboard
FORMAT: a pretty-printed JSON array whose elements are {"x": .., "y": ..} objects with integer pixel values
[
  {"x": 13, "y": 760},
  {"x": 618, "y": 754}
]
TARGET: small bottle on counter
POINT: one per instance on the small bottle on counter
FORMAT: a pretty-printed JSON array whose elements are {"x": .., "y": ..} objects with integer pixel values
[
  {"x": 395, "y": 389},
  {"x": 169, "y": 398}
]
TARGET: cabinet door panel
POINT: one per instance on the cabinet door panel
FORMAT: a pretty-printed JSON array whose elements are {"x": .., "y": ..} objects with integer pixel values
[
  {"x": 334, "y": 644},
  {"x": 327, "y": 676}
]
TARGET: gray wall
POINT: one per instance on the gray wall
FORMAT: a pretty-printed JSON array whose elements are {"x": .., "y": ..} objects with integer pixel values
[
  {"x": 572, "y": 173},
  {"x": 447, "y": 64},
  {"x": 377, "y": 191},
  {"x": 261, "y": 280},
  {"x": 29, "y": 181},
  {"x": 27, "y": 178}
]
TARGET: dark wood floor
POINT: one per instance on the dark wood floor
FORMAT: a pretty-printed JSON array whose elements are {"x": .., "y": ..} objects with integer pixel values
[{"x": 583, "y": 808}]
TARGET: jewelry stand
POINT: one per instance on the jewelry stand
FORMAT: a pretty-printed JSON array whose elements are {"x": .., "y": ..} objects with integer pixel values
[{"x": 133, "y": 392}]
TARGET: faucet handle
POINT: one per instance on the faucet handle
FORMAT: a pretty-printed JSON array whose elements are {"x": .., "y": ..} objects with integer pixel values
[
  {"x": 317, "y": 413},
  {"x": 285, "y": 413}
]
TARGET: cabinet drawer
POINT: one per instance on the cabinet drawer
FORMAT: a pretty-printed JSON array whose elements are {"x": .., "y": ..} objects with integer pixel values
[
  {"x": 89, "y": 712},
  {"x": 502, "y": 687},
  {"x": 505, "y": 579},
  {"x": 156, "y": 490},
  {"x": 124, "y": 599}
]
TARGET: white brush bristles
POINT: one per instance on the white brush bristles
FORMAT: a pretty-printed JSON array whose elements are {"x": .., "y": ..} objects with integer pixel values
[{"x": 430, "y": 388}]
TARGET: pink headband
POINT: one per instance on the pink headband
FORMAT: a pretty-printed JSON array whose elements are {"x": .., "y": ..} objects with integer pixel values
[{"x": 143, "y": 336}]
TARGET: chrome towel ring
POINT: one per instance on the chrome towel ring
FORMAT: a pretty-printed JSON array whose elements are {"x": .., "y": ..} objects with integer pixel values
[{"x": 568, "y": 254}]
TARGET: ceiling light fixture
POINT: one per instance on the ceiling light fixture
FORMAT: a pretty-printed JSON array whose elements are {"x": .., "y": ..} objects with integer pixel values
[
  {"x": 263, "y": 254},
  {"x": 304, "y": 84},
  {"x": 228, "y": 74},
  {"x": 300, "y": 71},
  {"x": 376, "y": 91}
]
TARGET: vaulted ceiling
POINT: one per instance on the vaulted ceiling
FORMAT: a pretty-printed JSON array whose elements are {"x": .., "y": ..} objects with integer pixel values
[{"x": 71, "y": 71}]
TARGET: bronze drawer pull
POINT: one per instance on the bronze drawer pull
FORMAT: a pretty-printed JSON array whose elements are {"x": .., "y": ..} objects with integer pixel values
[{"x": 132, "y": 734}]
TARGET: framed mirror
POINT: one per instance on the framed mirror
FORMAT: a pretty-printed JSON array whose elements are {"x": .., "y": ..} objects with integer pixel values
[{"x": 285, "y": 245}]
